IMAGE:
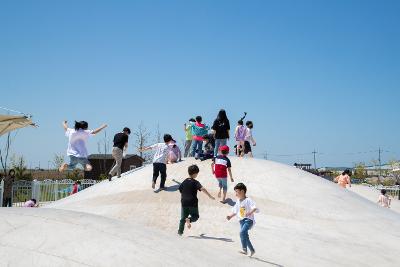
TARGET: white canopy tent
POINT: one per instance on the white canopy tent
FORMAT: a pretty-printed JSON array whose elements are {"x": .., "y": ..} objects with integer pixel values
[{"x": 10, "y": 123}]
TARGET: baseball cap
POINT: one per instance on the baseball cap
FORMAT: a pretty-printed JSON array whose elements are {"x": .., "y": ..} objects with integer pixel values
[{"x": 224, "y": 148}]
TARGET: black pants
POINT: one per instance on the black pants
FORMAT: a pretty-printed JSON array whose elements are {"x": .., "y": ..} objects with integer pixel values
[
  {"x": 185, "y": 212},
  {"x": 160, "y": 168},
  {"x": 7, "y": 202}
]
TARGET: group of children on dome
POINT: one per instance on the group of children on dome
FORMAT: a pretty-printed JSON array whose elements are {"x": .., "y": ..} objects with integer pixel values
[{"x": 197, "y": 133}]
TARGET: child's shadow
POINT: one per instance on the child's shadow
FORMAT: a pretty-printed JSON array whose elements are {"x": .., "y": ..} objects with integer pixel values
[
  {"x": 230, "y": 202},
  {"x": 203, "y": 236},
  {"x": 268, "y": 262},
  {"x": 172, "y": 188}
]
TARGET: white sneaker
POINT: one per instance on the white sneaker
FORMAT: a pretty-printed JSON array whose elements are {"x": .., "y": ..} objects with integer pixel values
[{"x": 244, "y": 252}]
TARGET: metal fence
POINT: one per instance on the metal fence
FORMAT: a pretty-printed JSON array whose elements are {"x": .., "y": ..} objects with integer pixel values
[
  {"x": 46, "y": 190},
  {"x": 393, "y": 191},
  {"x": 42, "y": 191}
]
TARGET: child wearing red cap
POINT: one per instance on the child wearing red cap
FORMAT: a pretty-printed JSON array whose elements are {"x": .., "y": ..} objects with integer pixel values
[{"x": 221, "y": 166}]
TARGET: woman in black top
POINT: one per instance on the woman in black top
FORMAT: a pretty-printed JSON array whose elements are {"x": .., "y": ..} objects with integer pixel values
[{"x": 221, "y": 129}]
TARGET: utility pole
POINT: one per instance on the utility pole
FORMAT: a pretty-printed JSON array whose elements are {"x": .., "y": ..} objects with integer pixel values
[
  {"x": 266, "y": 155},
  {"x": 315, "y": 161},
  {"x": 380, "y": 162}
]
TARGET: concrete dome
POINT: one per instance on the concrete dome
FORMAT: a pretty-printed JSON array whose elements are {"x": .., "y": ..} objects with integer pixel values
[{"x": 303, "y": 221}]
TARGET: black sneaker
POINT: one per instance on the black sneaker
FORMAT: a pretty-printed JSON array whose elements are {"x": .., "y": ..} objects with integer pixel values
[{"x": 109, "y": 177}]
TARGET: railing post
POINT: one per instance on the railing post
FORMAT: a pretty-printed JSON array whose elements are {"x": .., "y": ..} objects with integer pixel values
[
  {"x": 36, "y": 190},
  {"x": 56, "y": 191},
  {"x": 1, "y": 192}
]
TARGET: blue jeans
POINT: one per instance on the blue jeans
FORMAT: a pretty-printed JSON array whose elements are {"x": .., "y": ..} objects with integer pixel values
[
  {"x": 197, "y": 147},
  {"x": 73, "y": 161},
  {"x": 218, "y": 143},
  {"x": 245, "y": 226}
]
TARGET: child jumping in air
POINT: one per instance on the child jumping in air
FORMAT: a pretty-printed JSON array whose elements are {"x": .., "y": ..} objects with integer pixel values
[
  {"x": 189, "y": 201},
  {"x": 220, "y": 167},
  {"x": 77, "y": 139},
  {"x": 244, "y": 209},
  {"x": 160, "y": 160}
]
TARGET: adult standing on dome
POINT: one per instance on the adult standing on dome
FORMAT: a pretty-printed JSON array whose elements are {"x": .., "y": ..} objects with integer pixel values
[
  {"x": 221, "y": 129},
  {"x": 8, "y": 188}
]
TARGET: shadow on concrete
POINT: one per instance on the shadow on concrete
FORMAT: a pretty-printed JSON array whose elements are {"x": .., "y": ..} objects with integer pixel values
[
  {"x": 230, "y": 202},
  {"x": 266, "y": 262},
  {"x": 203, "y": 236},
  {"x": 172, "y": 188}
]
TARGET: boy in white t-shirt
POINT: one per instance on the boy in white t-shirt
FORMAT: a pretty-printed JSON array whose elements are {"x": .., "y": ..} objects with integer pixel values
[
  {"x": 384, "y": 200},
  {"x": 77, "y": 150},
  {"x": 244, "y": 209},
  {"x": 160, "y": 160}
]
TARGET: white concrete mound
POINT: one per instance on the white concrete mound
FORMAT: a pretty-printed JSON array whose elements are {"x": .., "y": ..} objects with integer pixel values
[{"x": 303, "y": 221}]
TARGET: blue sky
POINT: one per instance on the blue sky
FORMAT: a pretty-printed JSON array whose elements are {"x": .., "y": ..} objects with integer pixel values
[{"x": 310, "y": 74}]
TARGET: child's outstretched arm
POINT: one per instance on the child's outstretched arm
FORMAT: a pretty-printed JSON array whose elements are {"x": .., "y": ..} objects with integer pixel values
[
  {"x": 65, "y": 125},
  {"x": 206, "y": 192},
  {"x": 96, "y": 131},
  {"x": 230, "y": 216},
  {"x": 230, "y": 174},
  {"x": 253, "y": 141},
  {"x": 252, "y": 212},
  {"x": 143, "y": 149}
]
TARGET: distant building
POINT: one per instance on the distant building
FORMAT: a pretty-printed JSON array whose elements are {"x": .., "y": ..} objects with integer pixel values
[
  {"x": 302, "y": 166},
  {"x": 102, "y": 164},
  {"x": 334, "y": 169},
  {"x": 376, "y": 171}
]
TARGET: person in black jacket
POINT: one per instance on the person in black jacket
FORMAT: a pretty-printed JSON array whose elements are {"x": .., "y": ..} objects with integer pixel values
[
  {"x": 120, "y": 144},
  {"x": 221, "y": 127}
]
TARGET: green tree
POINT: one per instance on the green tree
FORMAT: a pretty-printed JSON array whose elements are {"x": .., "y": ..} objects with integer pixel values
[
  {"x": 18, "y": 163},
  {"x": 74, "y": 175},
  {"x": 360, "y": 171},
  {"x": 395, "y": 165}
]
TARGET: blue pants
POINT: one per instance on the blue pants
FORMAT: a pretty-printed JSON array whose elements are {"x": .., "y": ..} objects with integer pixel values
[
  {"x": 73, "y": 161},
  {"x": 218, "y": 143},
  {"x": 245, "y": 226},
  {"x": 197, "y": 148}
]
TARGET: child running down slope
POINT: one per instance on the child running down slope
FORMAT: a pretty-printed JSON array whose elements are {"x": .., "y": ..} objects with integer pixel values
[{"x": 189, "y": 201}]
